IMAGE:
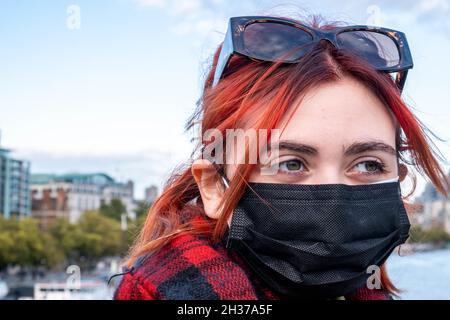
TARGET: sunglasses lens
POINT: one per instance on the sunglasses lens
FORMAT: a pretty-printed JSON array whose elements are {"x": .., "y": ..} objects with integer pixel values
[
  {"x": 376, "y": 48},
  {"x": 272, "y": 41}
]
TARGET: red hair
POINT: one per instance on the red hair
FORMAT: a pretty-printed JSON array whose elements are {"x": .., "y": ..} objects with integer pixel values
[{"x": 248, "y": 82}]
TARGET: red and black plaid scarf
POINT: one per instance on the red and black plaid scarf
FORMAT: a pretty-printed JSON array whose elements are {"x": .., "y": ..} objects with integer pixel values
[{"x": 191, "y": 267}]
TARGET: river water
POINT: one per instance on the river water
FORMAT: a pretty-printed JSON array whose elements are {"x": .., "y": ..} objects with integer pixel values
[{"x": 422, "y": 275}]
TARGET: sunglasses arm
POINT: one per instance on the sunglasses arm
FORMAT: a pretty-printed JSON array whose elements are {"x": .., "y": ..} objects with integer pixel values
[
  {"x": 224, "y": 57},
  {"x": 401, "y": 79}
]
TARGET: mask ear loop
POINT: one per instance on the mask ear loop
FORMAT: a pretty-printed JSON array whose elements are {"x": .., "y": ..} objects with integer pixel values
[{"x": 226, "y": 182}]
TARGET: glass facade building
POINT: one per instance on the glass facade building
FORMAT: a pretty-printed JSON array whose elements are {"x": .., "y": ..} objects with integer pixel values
[{"x": 14, "y": 186}]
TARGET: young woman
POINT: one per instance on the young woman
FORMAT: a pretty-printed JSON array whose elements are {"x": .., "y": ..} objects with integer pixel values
[{"x": 321, "y": 214}]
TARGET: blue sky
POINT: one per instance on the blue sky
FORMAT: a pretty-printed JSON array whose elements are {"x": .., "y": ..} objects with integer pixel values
[{"x": 114, "y": 94}]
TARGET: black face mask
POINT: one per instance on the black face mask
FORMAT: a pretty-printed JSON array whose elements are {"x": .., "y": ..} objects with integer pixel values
[{"x": 317, "y": 241}]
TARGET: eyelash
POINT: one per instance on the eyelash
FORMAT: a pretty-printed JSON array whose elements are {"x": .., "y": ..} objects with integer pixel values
[{"x": 380, "y": 167}]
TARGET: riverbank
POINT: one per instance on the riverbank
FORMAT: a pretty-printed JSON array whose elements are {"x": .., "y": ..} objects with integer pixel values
[{"x": 410, "y": 248}]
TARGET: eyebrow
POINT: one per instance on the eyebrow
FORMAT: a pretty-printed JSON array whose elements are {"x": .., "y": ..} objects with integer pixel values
[{"x": 354, "y": 149}]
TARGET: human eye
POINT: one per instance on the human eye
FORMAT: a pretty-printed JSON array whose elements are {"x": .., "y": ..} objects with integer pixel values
[
  {"x": 291, "y": 166},
  {"x": 371, "y": 167}
]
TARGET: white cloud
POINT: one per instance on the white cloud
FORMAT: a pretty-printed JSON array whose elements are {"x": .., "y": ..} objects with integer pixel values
[
  {"x": 203, "y": 27},
  {"x": 186, "y": 6},
  {"x": 191, "y": 17},
  {"x": 151, "y": 3},
  {"x": 431, "y": 5},
  {"x": 205, "y": 17},
  {"x": 429, "y": 14}
]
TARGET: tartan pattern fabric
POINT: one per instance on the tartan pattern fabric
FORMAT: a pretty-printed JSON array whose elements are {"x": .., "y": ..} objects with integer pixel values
[{"x": 191, "y": 267}]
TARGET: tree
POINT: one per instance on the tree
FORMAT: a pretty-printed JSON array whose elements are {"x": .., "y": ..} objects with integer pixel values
[
  {"x": 134, "y": 227},
  {"x": 93, "y": 237},
  {"x": 69, "y": 236},
  {"x": 142, "y": 208},
  {"x": 433, "y": 235},
  {"x": 104, "y": 234},
  {"x": 113, "y": 210},
  {"x": 6, "y": 244},
  {"x": 22, "y": 243}
]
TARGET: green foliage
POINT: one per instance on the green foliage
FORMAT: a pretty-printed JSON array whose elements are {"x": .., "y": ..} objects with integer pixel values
[
  {"x": 94, "y": 236},
  {"x": 7, "y": 254},
  {"x": 114, "y": 210},
  {"x": 433, "y": 235},
  {"x": 103, "y": 235},
  {"x": 134, "y": 227},
  {"x": 142, "y": 209},
  {"x": 23, "y": 243}
]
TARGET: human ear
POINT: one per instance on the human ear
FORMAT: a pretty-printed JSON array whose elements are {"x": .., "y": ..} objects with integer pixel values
[
  {"x": 211, "y": 191},
  {"x": 402, "y": 171}
]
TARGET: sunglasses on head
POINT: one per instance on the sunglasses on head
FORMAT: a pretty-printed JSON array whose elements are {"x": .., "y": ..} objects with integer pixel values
[{"x": 274, "y": 39}]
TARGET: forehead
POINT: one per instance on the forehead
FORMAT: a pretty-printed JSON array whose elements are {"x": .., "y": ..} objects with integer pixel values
[{"x": 339, "y": 113}]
